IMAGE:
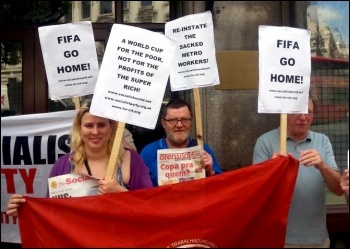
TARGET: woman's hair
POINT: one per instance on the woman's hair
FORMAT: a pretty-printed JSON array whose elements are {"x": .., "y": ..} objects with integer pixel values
[{"x": 78, "y": 154}]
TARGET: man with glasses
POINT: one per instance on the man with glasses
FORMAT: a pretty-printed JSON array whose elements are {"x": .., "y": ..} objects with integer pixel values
[
  {"x": 176, "y": 119},
  {"x": 306, "y": 227}
]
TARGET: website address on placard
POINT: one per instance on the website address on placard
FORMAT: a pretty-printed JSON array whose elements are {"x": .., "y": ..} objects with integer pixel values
[
  {"x": 129, "y": 103},
  {"x": 284, "y": 97},
  {"x": 125, "y": 109},
  {"x": 195, "y": 69},
  {"x": 284, "y": 91},
  {"x": 191, "y": 75}
]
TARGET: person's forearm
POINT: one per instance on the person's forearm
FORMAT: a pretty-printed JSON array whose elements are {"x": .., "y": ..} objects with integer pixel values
[{"x": 332, "y": 179}]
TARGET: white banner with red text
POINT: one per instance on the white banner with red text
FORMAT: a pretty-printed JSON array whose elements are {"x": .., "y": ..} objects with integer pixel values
[{"x": 30, "y": 144}]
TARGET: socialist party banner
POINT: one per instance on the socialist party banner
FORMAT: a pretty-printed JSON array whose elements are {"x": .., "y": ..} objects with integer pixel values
[
  {"x": 30, "y": 144},
  {"x": 243, "y": 208}
]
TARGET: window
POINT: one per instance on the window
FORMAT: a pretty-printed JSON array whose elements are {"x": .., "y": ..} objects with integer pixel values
[
  {"x": 146, "y": 3},
  {"x": 68, "y": 16},
  {"x": 85, "y": 9},
  {"x": 11, "y": 78},
  {"x": 126, "y": 5},
  {"x": 328, "y": 23},
  {"x": 146, "y": 11},
  {"x": 105, "y": 7}
]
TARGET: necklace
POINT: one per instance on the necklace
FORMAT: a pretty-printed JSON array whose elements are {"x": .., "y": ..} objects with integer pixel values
[{"x": 87, "y": 166}]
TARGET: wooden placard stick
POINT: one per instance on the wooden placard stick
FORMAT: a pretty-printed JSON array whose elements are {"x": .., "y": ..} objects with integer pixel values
[
  {"x": 76, "y": 102},
  {"x": 283, "y": 132},
  {"x": 116, "y": 154},
  {"x": 197, "y": 107}
]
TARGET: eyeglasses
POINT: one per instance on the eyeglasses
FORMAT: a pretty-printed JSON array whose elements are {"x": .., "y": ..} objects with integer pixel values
[
  {"x": 174, "y": 121},
  {"x": 309, "y": 114}
]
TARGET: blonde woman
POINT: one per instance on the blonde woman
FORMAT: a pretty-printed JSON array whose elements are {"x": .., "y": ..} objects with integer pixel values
[{"x": 91, "y": 142}]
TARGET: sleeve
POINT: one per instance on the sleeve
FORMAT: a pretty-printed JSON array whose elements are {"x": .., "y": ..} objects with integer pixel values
[
  {"x": 329, "y": 154},
  {"x": 149, "y": 157},
  {"x": 261, "y": 152},
  {"x": 60, "y": 167},
  {"x": 216, "y": 166},
  {"x": 128, "y": 138},
  {"x": 140, "y": 177}
]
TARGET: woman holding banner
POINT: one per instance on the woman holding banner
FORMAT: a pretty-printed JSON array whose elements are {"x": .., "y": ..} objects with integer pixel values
[{"x": 91, "y": 141}]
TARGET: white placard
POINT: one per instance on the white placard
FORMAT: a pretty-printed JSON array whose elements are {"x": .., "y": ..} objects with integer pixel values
[
  {"x": 70, "y": 59},
  {"x": 284, "y": 69},
  {"x": 195, "y": 59},
  {"x": 133, "y": 76}
]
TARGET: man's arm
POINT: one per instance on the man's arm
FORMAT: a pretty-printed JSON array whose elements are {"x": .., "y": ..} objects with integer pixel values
[
  {"x": 344, "y": 183},
  {"x": 216, "y": 166},
  {"x": 331, "y": 176}
]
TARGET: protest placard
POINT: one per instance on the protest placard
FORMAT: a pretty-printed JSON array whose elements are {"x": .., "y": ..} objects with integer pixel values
[
  {"x": 284, "y": 73},
  {"x": 133, "y": 76},
  {"x": 70, "y": 59},
  {"x": 284, "y": 69},
  {"x": 195, "y": 61}
]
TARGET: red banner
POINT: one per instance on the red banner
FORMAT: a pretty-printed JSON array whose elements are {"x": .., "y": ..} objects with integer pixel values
[{"x": 247, "y": 207}]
